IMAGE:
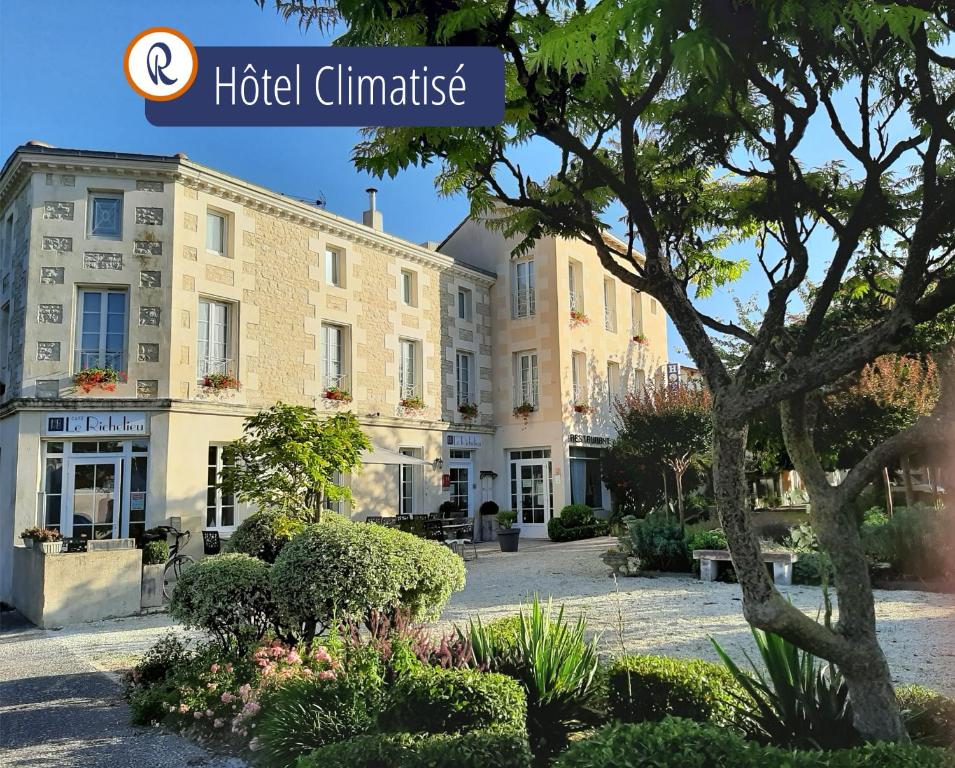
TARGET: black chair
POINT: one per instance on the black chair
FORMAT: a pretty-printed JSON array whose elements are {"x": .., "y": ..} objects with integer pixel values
[
  {"x": 463, "y": 536},
  {"x": 402, "y": 517},
  {"x": 211, "y": 543},
  {"x": 376, "y": 519},
  {"x": 434, "y": 530}
]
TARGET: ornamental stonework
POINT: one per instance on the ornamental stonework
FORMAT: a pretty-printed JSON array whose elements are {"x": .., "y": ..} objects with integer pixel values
[
  {"x": 220, "y": 275},
  {"x": 149, "y": 315},
  {"x": 56, "y": 210},
  {"x": 101, "y": 260},
  {"x": 150, "y": 278},
  {"x": 50, "y": 313},
  {"x": 51, "y": 275},
  {"x": 144, "y": 185},
  {"x": 48, "y": 351},
  {"x": 189, "y": 253},
  {"x": 191, "y": 222},
  {"x": 148, "y": 215},
  {"x": 148, "y": 353},
  {"x": 147, "y": 388},
  {"x": 62, "y": 244},
  {"x": 147, "y": 248}
]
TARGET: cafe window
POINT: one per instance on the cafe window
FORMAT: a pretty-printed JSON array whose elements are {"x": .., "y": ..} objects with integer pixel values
[
  {"x": 585, "y": 484},
  {"x": 220, "y": 505}
]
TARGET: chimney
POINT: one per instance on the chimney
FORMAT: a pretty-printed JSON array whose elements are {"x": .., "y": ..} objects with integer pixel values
[{"x": 372, "y": 217}]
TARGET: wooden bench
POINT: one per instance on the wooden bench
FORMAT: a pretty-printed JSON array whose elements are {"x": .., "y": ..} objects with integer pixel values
[{"x": 782, "y": 564}]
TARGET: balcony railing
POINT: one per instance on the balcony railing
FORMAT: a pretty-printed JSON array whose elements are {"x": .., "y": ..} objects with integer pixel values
[
  {"x": 94, "y": 358},
  {"x": 576, "y": 302},
  {"x": 579, "y": 394},
  {"x": 408, "y": 391},
  {"x": 610, "y": 319},
  {"x": 336, "y": 381},
  {"x": 526, "y": 394},
  {"x": 209, "y": 366}
]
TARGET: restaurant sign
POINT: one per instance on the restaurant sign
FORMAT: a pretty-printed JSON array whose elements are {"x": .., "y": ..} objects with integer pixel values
[
  {"x": 465, "y": 440},
  {"x": 590, "y": 440},
  {"x": 94, "y": 424}
]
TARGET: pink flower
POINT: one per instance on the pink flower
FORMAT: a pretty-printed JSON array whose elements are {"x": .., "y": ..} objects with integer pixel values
[
  {"x": 293, "y": 658},
  {"x": 218, "y": 722},
  {"x": 226, "y": 697},
  {"x": 183, "y": 709},
  {"x": 326, "y": 674},
  {"x": 209, "y": 713},
  {"x": 322, "y": 655},
  {"x": 245, "y": 691},
  {"x": 197, "y": 715},
  {"x": 251, "y": 708},
  {"x": 214, "y": 668},
  {"x": 228, "y": 668}
]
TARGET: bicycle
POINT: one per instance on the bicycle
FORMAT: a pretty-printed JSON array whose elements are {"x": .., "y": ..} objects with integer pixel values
[{"x": 177, "y": 563}]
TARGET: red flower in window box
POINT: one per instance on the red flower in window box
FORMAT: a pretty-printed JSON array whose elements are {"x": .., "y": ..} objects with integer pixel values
[
  {"x": 582, "y": 408},
  {"x": 220, "y": 381},
  {"x": 413, "y": 403},
  {"x": 578, "y": 318},
  {"x": 104, "y": 378},
  {"x": 468, "y": 410},
  {"x": 640, "y": 338},
  {"x": 338, "y": 394}
]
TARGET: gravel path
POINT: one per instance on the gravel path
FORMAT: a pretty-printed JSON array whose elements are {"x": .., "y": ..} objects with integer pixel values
[{"x": 60, "y": 705}]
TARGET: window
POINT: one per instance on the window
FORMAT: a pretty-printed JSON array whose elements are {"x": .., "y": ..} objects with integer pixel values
[
  {"x": 220, "y": 506},
  {"x": 333, "y": 357},
  {"x": 215, "y": 338},
  {"x": 408, "y": 371},
  {"x": 53, "y": 486},
  {"x": 216, "y": 233},
  {"x": 522, "y": 301},
  {"x": 8, "y": 243},
  {"x": 464, "y": 304},
  {"x": 585, "y": 485},
  {"x": 465, "y": 374},
  {"x": 410, "y": 482},
  {"x": 635, "y": 324},
  {"x": 106, "y": 215},
  {"x": 335, "y": 505},
  {"x": 610, "y": 304},
  {"x": 575, "y": 285},
  {"x": 334, "y": 259},
  {"x": 638, "y": 384},
  {"x": 578, "y": 371},
  {"x": 101, "y": 321},
  {"x": 409, "y": 288},
  {"x": 613, "y": 383},
  {"x": 653, "y": 306},
  {"x": 526, "y": 379}
]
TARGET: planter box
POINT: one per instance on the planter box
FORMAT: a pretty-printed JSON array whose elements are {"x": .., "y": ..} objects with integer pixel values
[
  {"x": 152, "y": 586},
  {"x": 488, "y": 528},
  {"x": 509, "y": 538},
  {"x": 50, "y": 547},
  {"x": 57, "y": 590},
  {"x": 108, "y": 545},
  {"x": 28, "y": 543}
]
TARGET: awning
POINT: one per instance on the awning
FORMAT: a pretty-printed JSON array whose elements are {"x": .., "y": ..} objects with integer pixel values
[{"x": 379, "y": 455}]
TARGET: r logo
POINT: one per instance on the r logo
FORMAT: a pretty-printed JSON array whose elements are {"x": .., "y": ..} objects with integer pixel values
[
  {"x": 161, "y": 64},
  {"x": 158, "y": 58}
]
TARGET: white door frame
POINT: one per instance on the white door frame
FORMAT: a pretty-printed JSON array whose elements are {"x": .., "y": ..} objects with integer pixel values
[
  {"x": 534, "y": 529},
  {"x": 122, "y": 469},
  {"x": 469, "y": 466}
]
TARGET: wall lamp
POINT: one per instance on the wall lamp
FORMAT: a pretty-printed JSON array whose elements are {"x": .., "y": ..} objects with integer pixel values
[{"x": 438, "y": 464}]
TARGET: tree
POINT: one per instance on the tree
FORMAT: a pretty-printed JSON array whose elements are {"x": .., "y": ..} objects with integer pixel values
[
  {"x": 694, "y": 124},
  {"x": 288, "y": 459},
  {"x": 664, "y": 428}
]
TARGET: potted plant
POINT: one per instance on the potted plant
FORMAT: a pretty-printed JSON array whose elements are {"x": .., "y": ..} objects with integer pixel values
[
  {"x": 338, "y": 394},
  {"x": 582, "y": 408},
  {"x": 468, "y": 410},
  {"x": 578, "y": 318},
  {"x": 639, "y": 338},
  {"x": 49, "y": 540},
  {"x": 155, "y": 555},
  {"x": 507, "y": 534},
  {"x": 524, "y": 410},
  {"x": 217, "y": 382},
  {"x": 104, "y": 378},
  {"x": 29, "y": 536},
  {"x": 413, "y": 403},
  {"x": 487, "y": 513}
]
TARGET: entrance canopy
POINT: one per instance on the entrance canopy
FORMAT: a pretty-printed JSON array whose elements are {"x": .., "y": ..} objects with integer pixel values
[{"x": 379, "y": 455}]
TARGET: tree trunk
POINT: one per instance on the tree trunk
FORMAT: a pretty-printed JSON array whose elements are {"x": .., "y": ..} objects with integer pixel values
[
  {"x": 907, "y": 480},
  {"x": 889, "y": 504},
  {"x": 678, "y": 474}
]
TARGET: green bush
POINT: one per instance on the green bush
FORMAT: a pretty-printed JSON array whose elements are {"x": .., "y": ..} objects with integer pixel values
[
  {"x": 813, "y": 568},
  {"x": 929, "y": 716},
  {"x": 468, "y": 750},
  {"x": 264, "y": 533},
  {"x": 645, "y": 688},
  {"x": 711, "y": 538},
  {"x": 494, "y": 640},
  {"x": 228, "y": 596},
  {"x": 438, "y": 700},
  {"x": 676, "y": 743},
  {"x": 305, "y": 713},
  {"x": 659, "y": 542},
  {"x": 914, "y": 541},
  {"x": 332, "y": 572},
  {"x": 155, "y": 552},
  {"x": 576, "y": 521},
  {"x": 150, "y": 684}
]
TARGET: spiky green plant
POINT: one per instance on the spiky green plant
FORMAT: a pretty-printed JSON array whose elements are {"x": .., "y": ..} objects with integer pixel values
[{"x": 796, "y": 701}]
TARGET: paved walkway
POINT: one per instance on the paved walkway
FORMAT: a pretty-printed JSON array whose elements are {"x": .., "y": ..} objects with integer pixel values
[{"x": 58, "y": 709}]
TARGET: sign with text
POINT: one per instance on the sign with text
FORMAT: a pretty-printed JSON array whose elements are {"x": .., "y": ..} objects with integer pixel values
[
  {"x": 301, "y": 86},
  {"x": 463, "y": 440},
  {"x": 95, "y": 424}
]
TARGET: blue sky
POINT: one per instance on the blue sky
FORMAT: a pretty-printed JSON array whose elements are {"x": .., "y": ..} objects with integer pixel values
[{"x": 61, "y": 80}]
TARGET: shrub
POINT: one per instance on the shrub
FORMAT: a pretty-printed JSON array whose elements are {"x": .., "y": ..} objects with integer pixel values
[
  {"x": 712, "y": 538},
  {"x": 489, "y": 509},
  {"x": 913, "y": 541},
  {"x": 676, "y": 743},
  {"x": 929, "y": 716},
  {"x": 335, "y": 572},
  {"x": 659, "y": 542},
  {"x": 497, "y": 639},
  {"x": 813, "y": 568},
  {"x": 228, "y": 596},
  {"x": 149, "y": 684},
  {"x": 454, "y": 701},
  {"x": 264, "y": 533},
  {"x": 155, "y": 552},
  {"x": 643, "y": 688},
  {"x": 576, "y": 521},
  {"x": 305, "y": 713},
  {"x": 468, "y": 750}
]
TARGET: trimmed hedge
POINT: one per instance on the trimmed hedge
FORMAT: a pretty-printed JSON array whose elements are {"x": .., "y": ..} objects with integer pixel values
[
  {"x": 676, "y": 743},
  {"x": 228, "y": 596},
  {"x": 264, "y": 534},
  {"x": 331, "y": 572},
  {"x": 929, "y": 716},
  {"x": 652, "y": 687},
  {"x": 576, "y": 521},
  {"x": 437, "y": 700},
  {"x": 155, "y": 552},
  {"x": 480, "y": 749}
]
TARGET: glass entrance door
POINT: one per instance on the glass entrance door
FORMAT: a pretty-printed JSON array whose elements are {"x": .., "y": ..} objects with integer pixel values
[
  {"x": 93, "y": 498},
  {"x": 460, "y": 475},
  {"x": 533, "y": 496}
]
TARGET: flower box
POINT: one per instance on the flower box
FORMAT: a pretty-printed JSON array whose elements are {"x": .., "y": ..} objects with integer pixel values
[
  {"x": 578, "y": 318},
  {"x": 337, "y": 394},
  {"x": 217, "y": 382},
  {"x": 35, "y": 537},
  {"x": 639, "y": 338},
  {"x": 524, "y": 410},
  {"x": 582, "y": 408},
  {"x": 413, "y": 403},
  {"x": 468, "y": 410},
  {"x": 103, "y": 378}
]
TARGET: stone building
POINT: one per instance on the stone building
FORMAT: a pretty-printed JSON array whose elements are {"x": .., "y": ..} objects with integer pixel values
[{"x": 181, "y": 276}]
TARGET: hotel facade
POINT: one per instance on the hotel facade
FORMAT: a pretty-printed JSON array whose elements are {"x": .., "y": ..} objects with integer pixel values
[{"x": 177, "y": 275}]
